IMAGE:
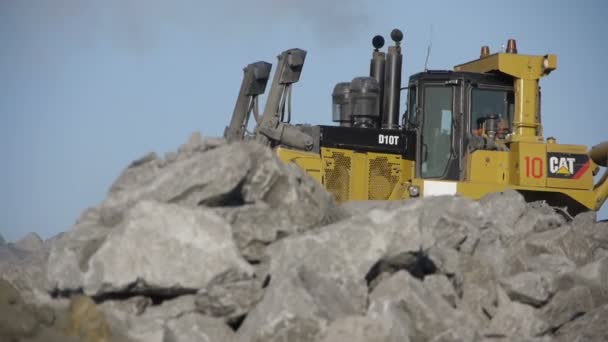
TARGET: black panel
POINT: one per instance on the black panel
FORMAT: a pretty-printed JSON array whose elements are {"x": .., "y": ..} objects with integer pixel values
[{"x": 367, "y": 139}]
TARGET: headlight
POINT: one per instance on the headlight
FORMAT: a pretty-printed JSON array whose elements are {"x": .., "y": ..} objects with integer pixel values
[{"x": 413, "y": 190}]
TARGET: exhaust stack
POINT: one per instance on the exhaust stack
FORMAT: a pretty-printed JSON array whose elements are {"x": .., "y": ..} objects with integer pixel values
[
  {"x": 376, "y": 70},
  {"x": 392, "y": 82}
]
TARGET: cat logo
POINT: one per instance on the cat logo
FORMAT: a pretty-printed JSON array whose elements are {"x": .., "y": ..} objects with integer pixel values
[
  {"x": 561, "y": 166},
  {"x": 567, "y": 165}
]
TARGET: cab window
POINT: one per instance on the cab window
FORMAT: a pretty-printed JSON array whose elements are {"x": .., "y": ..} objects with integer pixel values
[{"x": 486, "y": 102}]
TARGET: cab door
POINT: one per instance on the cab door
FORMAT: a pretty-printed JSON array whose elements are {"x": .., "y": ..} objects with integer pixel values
[{"x": 438, "y": 137}]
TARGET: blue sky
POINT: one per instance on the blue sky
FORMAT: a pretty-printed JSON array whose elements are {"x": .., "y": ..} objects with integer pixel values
[{"x": 88, "y": 86}]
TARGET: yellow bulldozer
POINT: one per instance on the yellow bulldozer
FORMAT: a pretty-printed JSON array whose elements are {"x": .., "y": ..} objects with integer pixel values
[{"x": 470, "y": 131}]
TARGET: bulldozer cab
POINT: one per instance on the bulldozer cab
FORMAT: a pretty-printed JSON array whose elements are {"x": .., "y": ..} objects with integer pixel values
[{"x": 449, "y": 110}]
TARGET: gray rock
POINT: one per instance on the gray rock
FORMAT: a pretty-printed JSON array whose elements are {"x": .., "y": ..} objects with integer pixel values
[
  {"x": 578, "y": 243},
  {"x": 146, "y": 329},
  {"x": 229, "y": 299},
  {"x": 284, "y": 201},
  {"x": 70, "y": 253},
  {"x": 355, "y": 208},
  {"x": 440, "y": 284},
  {"x": 205, "y": 178},
  {"x": 169, "y": 309},
  {"x": 362, "y": 329},
  {"x": 326, "y": 272},
  {"x": 430, "y": 315},
  {"x": 517, "y": 321},
  {"x": 494, "y": 248},
  {"x": 506, "y": 207},
  {"x": 298, "y": 307},
  {"x": 447, "y": 261},
  {"x": 163, "y": 248},
  {"x": 23, "y": 321},
  {"x": 31, "y": 243},
  {"x": 144, "y": 170},
  {"x": 519, "y": 339},
  {"x": 590, "y": 327},
  {"x": 137, "y": 319},
  {"x": 196, "y": 327},
  {"x": 567, "y": 305},
  {"x": 479, "y": 288},
  {"x": 540, "y": 217},
  {"x": 194, "y": 143},
  {"x": 595, "y": 273},
  {"x": 529, "y": 288},
  {"x": 26, "y": 272},
  {"x": 140, "y": 172},
  {"x": 120, "y": 313},
  {"x": 594, "y": 276},
  {"x": 521, "y": 261},
  {"x": 457, "y": 225}
]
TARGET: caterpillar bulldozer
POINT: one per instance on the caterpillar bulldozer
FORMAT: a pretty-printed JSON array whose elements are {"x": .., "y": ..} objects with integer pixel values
[{"x": 471, "y": 131}]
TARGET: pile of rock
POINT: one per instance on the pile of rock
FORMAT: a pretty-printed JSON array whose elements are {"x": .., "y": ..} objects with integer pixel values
[{"x": 224, "y": 242}]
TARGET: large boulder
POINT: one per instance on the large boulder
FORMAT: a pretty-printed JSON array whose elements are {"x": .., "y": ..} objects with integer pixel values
[
  {"x": 70, "y": 253},
  {"x": 205, "y": 178},
  {"x": 517, "y": 321},
  {"x": 163, "y": 248},
  {"x": 280, "y": 200},
  {"x": 262, "y": 199},
  {"x": 230, "y": 298},
  {"x": 530, "y": 288},
  {"x": 430, "y": 315},
  {"x": 327, "y": 272}
]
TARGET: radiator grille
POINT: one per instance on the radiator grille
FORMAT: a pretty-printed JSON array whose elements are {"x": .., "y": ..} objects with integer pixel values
[
  {"x": 337, "y": 176},
  {"x": 383, "y": 176}
]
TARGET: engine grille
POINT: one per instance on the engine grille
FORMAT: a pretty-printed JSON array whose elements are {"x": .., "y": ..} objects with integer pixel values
[
  {"x": 383, "y": 176},
  {"x": 337, "y": 176}
]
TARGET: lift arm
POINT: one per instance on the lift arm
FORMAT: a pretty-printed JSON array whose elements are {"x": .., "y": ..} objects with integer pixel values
[
  {"x": 273, "y": 129},
  {"x": 254, "y": 83}
]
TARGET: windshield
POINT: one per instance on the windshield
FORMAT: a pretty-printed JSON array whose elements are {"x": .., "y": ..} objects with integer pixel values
[
  {"x": 436, "y": 131},
  {"x": 486, "y": 102}
]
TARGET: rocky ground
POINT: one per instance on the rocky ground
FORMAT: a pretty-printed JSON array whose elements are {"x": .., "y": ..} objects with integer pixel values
[{"x": 223, "y": 242}]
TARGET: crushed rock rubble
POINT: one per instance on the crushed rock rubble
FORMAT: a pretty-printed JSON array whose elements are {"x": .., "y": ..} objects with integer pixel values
[{"x": 224, "y": 242}]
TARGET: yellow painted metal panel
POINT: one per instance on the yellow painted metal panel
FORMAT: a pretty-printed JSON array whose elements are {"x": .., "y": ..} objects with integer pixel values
[
  {"x": 489, "y": 167},
  {"x": 309, "y": 162}
]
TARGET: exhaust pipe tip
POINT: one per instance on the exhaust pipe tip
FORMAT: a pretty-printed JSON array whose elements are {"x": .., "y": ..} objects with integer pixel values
[
  {"x": 397, "y": 35},
  {"x": 378, "y": 42}
]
